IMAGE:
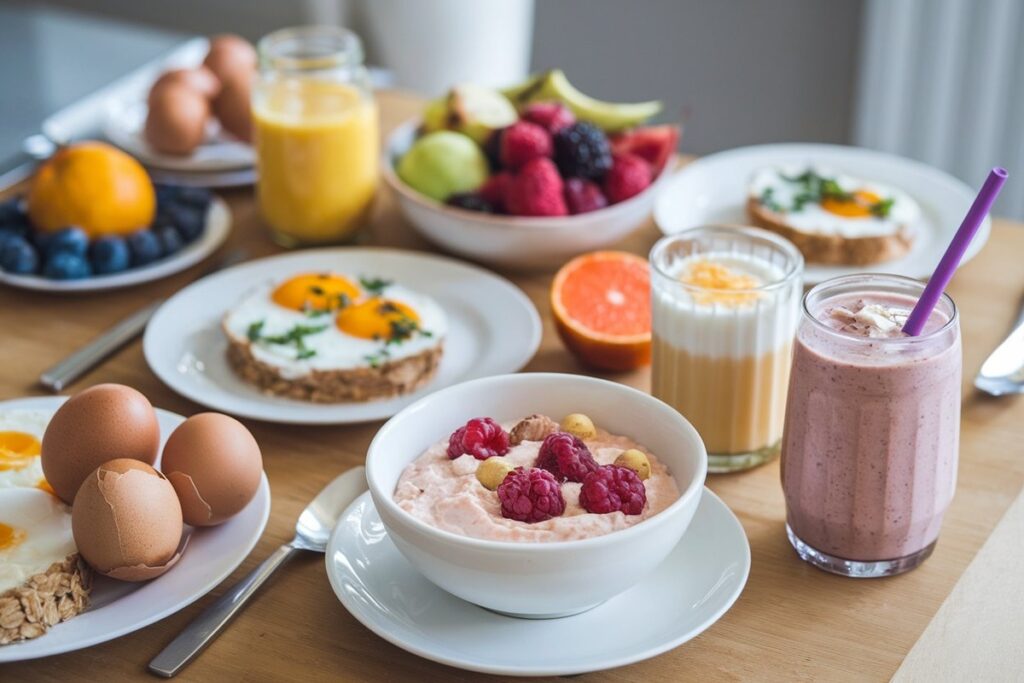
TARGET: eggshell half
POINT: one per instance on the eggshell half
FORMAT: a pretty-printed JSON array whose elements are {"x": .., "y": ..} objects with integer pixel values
[
  {"x": 127, "y": 521},
  {"x": 105, "y": 422},
  {"x": 215, "y": 466}
]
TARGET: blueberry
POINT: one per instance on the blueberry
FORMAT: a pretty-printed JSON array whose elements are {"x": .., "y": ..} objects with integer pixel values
[
  {"x": 18, "y": 256},
  {"x": 7, "y": 233},
  {"x": 198, "y": 197},
  {"x": 72, "y": 240},
  {"x": 189, "y": 220},
  {"x": 145, "y": 247},
  {"x": 171, "y": 240},
  {"x": 166, "y": 194},
  {"x": 64, "y": 265},
  {"x": 12, "y": 212},
  {"x": 109, "y": 255}
]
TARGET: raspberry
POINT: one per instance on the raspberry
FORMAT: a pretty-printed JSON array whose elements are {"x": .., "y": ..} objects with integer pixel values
[
  {"x": 582, "y": 196},
  {"x": 566, "y": 457},
  {"x": 530, "y": 496},
  {"x": 523, "y": 141},
  {"x": 612, "y": 488},
  {"x": 536, "y": 191},
  {"x": 495, "y": 189},
  {"x": 582, "y": 151},
  {"x": 481, "y": 437},
  {"x": 470, "y": 201},
  {"x": 630, "y": 175},
  {"x": 551, "y": 116}
]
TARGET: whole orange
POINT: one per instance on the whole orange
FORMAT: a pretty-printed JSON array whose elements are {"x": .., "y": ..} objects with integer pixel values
[{"x": 94, "y": 186}]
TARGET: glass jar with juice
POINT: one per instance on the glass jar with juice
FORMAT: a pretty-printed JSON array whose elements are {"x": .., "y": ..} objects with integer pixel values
[{"x": 316, "y": 135}]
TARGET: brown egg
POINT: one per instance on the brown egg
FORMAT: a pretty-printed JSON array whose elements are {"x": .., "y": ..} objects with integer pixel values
[
  {"x": 127, "y": 522},
  {"x": 215, "y": 465},
  {"x": 176, "y": 121},
  {"x": 230, "y": 55},
  {"x": 232, "y": 106},
  {"x": 200, "y": 79},
  {"x": 104, "y": 422}
]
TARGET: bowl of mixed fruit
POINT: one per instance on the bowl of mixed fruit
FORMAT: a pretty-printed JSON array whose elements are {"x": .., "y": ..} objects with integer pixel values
[{"x": 531, "y": 175}]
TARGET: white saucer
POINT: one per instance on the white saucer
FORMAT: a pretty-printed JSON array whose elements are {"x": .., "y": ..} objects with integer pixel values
[
  {"x": 696, "y": 585},
  {"x": 493, "y": 329},
  {"x": 117, "y": 607},
  {"x": 713, "y": 190},
  {"x": 218, "y": 226}
]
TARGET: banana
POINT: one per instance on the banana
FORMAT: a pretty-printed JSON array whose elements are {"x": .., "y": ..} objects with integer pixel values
[{"x": 553, "y": 85}]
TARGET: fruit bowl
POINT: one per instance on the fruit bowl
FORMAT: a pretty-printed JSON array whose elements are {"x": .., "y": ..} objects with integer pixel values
[
  {"x": 546, "y": 579},
  {"x": 512, "y": 241}
]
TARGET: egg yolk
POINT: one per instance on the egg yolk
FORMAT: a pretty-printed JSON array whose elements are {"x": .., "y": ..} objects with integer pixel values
[
  {"x": 315, "y": 292},
  {"x": 379, "y": 319},
  {"x": 44, "y": 485},
  {"x": 10, "y": 537},
  {"x": 722, "y": 284},
  {"x": 17, "y": 449},
  {"x": 857, "y": 206}
]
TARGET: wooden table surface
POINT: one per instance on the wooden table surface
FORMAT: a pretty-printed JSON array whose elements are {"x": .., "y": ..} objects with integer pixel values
[{"x": 791, "y": 623}]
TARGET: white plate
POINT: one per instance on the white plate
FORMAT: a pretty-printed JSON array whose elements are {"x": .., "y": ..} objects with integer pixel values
[
  {"x": 118, "y": 607},
  {"x": 713, "y": 190},
  {"x": 218, "y": 225},
  {"x": 701, "y": 579},
  {"x": 493, "y": 329}
]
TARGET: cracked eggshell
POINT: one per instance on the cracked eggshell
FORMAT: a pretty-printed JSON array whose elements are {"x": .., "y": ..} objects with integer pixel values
[
  {"x": 127, "y": 521},
  {"x": 215, "y": 466},
  {"x": 105, "y": 422}
]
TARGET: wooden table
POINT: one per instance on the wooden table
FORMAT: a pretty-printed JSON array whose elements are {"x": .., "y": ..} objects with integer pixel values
[{"x": 792, "y": 622}]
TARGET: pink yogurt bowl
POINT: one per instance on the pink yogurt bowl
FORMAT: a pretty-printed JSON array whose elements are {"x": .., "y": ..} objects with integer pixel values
[{"x": 532, "y": 579}]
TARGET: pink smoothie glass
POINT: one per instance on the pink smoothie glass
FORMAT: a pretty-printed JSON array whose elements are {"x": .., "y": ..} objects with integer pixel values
[{"x": 872, "y": 427}]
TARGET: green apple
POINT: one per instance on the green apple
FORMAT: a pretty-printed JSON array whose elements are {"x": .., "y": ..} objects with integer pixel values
[{"x": 443, "y": 163}]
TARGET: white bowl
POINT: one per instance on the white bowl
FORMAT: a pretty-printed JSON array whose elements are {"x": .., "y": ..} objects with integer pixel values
[
  {"x": 512, "y": 241},
  {"x": 537, "y": 580}
]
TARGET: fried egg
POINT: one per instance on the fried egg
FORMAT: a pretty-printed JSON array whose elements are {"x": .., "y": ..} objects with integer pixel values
[
  {"x": 850, "y": 207},
  {"x": 21, "y": 436},
  {"x": 328, "y": 321},
  {"x": 35, "y": 532}
]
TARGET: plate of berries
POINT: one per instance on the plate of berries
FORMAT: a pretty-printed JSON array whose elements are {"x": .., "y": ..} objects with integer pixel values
[
  {"x": 187, "y": 229},
  {"x": 531, "y": 175}
]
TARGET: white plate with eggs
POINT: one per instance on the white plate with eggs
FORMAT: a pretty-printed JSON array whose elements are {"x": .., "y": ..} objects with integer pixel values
[
  {"x": 117, "y": 608},
  {"x": 714, "y": 190},
  {"x": 488, "y": 325}
]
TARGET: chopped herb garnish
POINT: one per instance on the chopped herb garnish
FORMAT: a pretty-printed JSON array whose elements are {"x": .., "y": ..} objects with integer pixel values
[
  {"x": 253, "y": 333},
  {"x": 296, "y": 337},
  {"x": 814, "y": 189},
  {"x": 375, "y": 286},
  {"x": 882, "y": 208}
]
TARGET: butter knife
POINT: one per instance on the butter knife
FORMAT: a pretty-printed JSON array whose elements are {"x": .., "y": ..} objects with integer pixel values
[
  {"x": 1003, "y": 371},
  {"x": 89, "y": 356}
]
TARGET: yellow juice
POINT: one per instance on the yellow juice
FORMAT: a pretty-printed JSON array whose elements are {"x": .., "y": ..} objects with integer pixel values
[{"x": 317, "y": 148}]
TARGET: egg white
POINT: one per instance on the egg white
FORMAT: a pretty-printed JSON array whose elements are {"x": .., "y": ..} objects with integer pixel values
[
  {"x": 31, "y": 422},
  {"x": 334, "y": 349},
  {"x": 46, "y": 525},
  {"x": 812, "y": 218}
]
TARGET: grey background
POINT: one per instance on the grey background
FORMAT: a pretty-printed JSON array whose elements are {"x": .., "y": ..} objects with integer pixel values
[{"x": 744, "y": 71}]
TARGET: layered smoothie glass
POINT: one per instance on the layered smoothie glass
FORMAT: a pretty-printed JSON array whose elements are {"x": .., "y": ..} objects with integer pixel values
[
  {"x": 869, "y": 454},
  {"x": 725, "y": 304},
  {"x": 316, "y": 135}
]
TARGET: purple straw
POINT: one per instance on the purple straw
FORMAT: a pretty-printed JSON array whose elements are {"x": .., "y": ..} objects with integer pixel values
[{"x": 955, "y": 251}]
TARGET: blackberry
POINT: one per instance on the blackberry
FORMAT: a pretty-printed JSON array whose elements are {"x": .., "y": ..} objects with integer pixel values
[
  {"x": 470, "y": 202},
  {"x": 582, "y": 151}
]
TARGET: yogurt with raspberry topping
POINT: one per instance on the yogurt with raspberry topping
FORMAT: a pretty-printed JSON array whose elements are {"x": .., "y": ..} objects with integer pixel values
[{"x": 446, "y": 494}]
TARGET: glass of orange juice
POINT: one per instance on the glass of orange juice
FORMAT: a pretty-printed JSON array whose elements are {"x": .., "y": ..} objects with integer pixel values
[{"x": 316, "y": 135}]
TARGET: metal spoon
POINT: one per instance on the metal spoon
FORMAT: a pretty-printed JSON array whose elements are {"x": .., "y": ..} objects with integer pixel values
[
  {"x": 311, "y": 533},
  {"x": 1003, "y": 371}
]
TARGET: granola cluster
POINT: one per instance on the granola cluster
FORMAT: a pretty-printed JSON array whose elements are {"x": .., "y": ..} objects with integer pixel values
[{"x": 46, "y": 599}]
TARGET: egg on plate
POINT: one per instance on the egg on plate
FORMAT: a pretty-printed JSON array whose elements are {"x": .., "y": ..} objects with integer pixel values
[
  {"x": 329, "y": 337},
  {"x": 833, "y": 217},
  {"x": 21, "y": 437}
]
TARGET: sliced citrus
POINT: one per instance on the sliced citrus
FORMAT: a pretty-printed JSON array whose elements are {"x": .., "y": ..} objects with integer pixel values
[{"x": 602, "y": 307}]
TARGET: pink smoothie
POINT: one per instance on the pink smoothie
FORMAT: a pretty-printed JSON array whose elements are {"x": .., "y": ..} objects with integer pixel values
[{"x": 869, "y": 451}]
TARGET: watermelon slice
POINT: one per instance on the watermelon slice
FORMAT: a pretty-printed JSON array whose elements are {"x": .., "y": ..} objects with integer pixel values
[{"x": 653, "y": 144}]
